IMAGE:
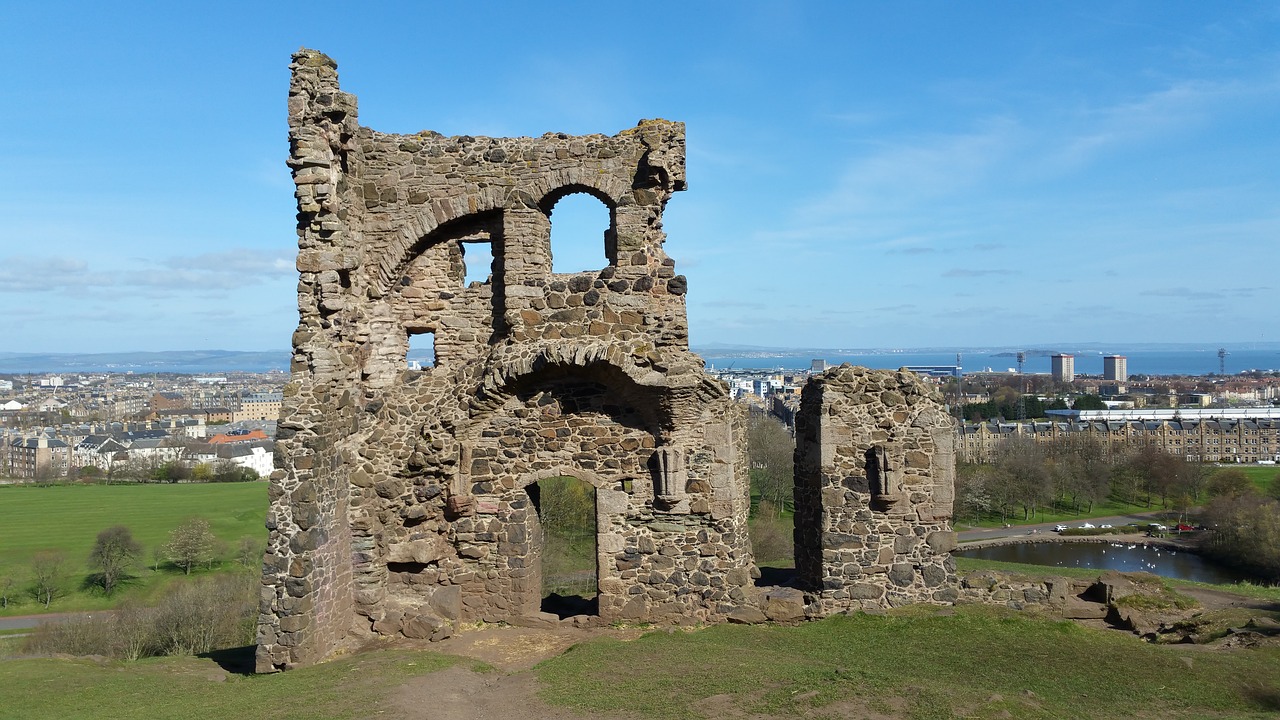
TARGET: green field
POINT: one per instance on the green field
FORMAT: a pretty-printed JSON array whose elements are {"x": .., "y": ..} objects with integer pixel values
[
  {"x": 916, "y": 663},
  {"x": 197, "y": 688},
  {"x": 1105, "y": 508},
  {"x": 69, "y": 517},
  {"x": 1261, "y": 475}
]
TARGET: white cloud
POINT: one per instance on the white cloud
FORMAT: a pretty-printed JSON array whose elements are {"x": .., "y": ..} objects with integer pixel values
[{"x": 227, "y": 270}]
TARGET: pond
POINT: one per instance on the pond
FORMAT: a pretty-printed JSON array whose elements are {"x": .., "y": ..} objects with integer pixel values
[{"x": 1111, "y": 556}]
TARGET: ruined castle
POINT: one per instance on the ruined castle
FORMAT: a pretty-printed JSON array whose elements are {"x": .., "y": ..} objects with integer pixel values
[{"x": 405, "y": 500}]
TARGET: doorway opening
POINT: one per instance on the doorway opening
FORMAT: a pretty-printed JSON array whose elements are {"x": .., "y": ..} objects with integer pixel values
[{"x": 567, "y": 518}]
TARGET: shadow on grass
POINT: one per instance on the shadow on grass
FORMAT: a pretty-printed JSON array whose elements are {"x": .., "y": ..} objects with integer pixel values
[
  {"x": 1265, "y": 698},
  {"x": 237, "y": 660},
  {"x": 95, "y": 584}
]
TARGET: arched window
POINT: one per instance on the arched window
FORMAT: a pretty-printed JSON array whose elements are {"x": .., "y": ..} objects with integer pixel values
[{"x": 582, "y": 233}]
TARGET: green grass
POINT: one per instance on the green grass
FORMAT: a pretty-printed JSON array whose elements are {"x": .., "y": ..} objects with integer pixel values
[
  {"x": 69, "y": 517},
  {"x": 918, "y": 662},
  {"x": 1106, "y": 508},
  {"x": 1260, "y": 475},
  {"x": 196, "y": 688},
  {"x": 976, "y": 662}
]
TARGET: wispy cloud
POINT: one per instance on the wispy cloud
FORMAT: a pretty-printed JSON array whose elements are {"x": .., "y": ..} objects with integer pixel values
[
  {"x": 220, "y": 271},
  {"x": 1202, "y": 294},
  {"x": 973, "y": 273}
]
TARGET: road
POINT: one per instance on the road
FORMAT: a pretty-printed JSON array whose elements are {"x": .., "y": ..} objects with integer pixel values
[
  {"x": 1017, "y": 530},
  {"x": 26, "y": 622}
]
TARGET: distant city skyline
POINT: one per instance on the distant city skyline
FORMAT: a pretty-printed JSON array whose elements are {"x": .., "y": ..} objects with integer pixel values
[{"x": 921, "y": 174}]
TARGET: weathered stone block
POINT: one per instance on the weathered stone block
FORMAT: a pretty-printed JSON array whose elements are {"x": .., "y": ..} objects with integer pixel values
[{"x": 784, "y": 605}]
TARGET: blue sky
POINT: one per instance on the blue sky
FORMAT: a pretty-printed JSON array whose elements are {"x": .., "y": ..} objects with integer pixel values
[{"x": 875, "y": 175}]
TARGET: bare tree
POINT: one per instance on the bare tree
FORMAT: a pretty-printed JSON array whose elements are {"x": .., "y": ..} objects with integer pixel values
[
  {"x": 190, "y": 544},
  {"x": 47, "y": 575},
  {"x": 1022, "y": 463},
  {"x": 772, "y": 454},
  {"x": 6, "y": 589},
  {"x": 249, "y": 552},
  {"x": 113, "y": 553}
]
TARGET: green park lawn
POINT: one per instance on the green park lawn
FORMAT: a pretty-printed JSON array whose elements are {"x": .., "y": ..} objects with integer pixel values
[
  {"x": 196, "y": 688},
  {"x": 1105, "y": 508},
  {"x": 68, "y": 518},
  {"x": 1261, "y": 475}
]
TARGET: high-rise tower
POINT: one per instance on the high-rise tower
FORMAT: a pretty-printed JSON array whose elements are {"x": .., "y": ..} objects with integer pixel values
[
  {"x": 1115, "y": 367},
  {"x": 1064, "y": 368}
]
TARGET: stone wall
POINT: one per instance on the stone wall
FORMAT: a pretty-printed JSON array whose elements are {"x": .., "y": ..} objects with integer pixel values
[
  {"x": 401, "y": 502},
  {"x": 874, "y": 489}
]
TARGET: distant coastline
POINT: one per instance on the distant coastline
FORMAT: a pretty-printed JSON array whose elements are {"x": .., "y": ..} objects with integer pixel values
[{"x": 1143, "y": 359}]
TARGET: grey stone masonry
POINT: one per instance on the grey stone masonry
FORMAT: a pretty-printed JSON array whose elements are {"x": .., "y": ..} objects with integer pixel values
[
  {"x": 874, "y": 476},
  {"x": 400, "y": 505}
]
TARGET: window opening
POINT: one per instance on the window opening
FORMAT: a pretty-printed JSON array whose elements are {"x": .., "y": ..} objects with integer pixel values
[
  {"x": 477, "y": 262},
  {"x": 580, "y": 230},
  {"x": 422, "y": 350}
]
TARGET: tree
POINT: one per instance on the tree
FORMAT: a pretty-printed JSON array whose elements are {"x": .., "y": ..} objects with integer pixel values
[
  {"x": 47, "y": 575},
  {"x": 170, "y": 472},
  {"x": 972, "y": 495},
  {"x": 1246, "y": 532},
  {"x": 772, "y": 454},
  {"x": 113, "y": 553},
  {"x": 249, "y": 552},
  {"x": 227, "y": 471},
  {"x": 6, "y": 589},
  {"x": 1229, "y": 482},
  {"x": 1089, "y": 402},
  {"x": 1022, "y": 462},
  {"x": 190, "y": 544}
]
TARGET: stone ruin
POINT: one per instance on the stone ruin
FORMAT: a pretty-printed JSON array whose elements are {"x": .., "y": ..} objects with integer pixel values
[{"x": 404, "y": 500}]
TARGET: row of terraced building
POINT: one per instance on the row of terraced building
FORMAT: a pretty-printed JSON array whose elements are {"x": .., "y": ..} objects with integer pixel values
[{"x": 1226, "y": 436}]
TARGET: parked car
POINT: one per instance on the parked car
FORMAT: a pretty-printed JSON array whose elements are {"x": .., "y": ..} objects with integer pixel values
[
  {"x": 1059, "y": 528},
  {"x": 1105, "y": 526},
  {"x": 1087, "y": 526}
]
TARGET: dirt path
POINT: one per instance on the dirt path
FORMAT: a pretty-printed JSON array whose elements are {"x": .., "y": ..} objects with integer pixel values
[
  {"x": 1219, "y": 600},
  {"x": 509, "y": 691}
]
